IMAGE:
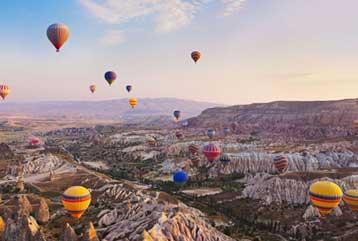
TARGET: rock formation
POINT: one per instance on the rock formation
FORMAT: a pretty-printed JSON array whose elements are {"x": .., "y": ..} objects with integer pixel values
[
  {"x": 90, "y": 233},
  {"x": 42, "y": 213},
  {"x": 68, "y": 234}
]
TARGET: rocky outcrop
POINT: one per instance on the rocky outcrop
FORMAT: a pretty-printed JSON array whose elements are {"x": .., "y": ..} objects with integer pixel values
[
  {"x": 90, "y": 233},
  {"x": 42, "y": 213},
  {"x": 24, "y": 205},
  {"x": 68, "y": 234},
  {"x": 6, "y": 152},
  {"x": 130, "y": 213},
  {"x": 23, "y": 228}
]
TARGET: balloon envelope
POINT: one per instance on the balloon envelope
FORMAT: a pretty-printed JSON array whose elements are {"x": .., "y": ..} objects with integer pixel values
[
  {"x": 4, "y": 91},
  {"x": 110, "y": 77},
  {"x": 226, "y": 131},
  {"x": 129, "y": 88},
  {"x": 280, "y": 163},
  {"x": 58, "y": 34},
  {"x": 133, "y": 102},
  {"x": 211, "y": 133},
  {"x": 176, "y": 114},
  {"x": 92, "y": 88},
  {"x": 195, "y": 55},
  {"x": 325, "y": 195},
  {"x": 34, "y": 141},
  {"x": 211, "y": 152},
  {"x": 180, "y": 177},
  {"x": 76, "y": 200},
  {"x": 350, "y": 197},
  {"x": 194, "y": 149}
]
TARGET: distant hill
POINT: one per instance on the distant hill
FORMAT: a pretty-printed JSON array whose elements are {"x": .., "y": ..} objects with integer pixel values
[
  {"x": 147, "y": 108},
  {"x": 296, "y": 119}
]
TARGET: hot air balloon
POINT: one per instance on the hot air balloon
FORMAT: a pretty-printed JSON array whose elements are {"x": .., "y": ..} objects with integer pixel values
[
  {"x": 325, "y": 195},
  {"x": 76, "y": 200},
  {"x": 92, "y": 88},
  {"x": 34, "y": 142},
  {"x": 179, "y": 134},
  {"x": 4, "y": 91},
  {"x": 133, "y": 102},
  {"x": 129, "y": 88},
  {"x": 195, "y": 55},
  {"x": 226, "y": 131},
  {"x": 176, "y": 114},
  {"x": 355, "y": 123},
  {"x": 225, "y": 158},
  {"x": 58, "y": 34},
  {"x": 194, "y": 149},
  {"x": 110, "y": 77},
  {"x": 185, "y": 123},
  {"x": 210, "y": 133},
  {"x": 280, "y": 163},
  {"x": 211, "y": 152},
  {"x": 350, "y": 197},
  {"x": 152, "y": 141},
  {"x": 180, "y": 177}
]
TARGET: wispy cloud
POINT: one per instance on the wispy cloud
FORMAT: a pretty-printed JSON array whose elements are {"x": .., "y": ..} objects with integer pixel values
[
  {"x": 168, "y": 15},
  {"x": 112, "y": 37},
  {"x": 232, "y": 6}
]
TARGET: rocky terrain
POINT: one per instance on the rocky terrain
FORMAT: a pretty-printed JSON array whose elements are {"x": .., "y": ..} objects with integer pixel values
[{"x": 129, "y": 171}]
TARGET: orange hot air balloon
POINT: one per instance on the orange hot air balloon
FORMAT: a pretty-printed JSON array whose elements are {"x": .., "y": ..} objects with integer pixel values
[
  {"x": 133, "y": 102},
  {"x": 195, "y": 55},
  {"x": 92, "y": 88},
  {"x": 4, "y": 91},
  {"x": 58, "y": 34}
]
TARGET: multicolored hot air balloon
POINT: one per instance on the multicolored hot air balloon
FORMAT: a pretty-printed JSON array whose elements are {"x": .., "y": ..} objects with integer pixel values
[
  {"x": 225, "y": 158},
  {"x": 129, "y": 88},
  {"x": 152, "y": 142},
  {"x": 226, "y": 131},
  {"x": 179, "y": 134},
  {"x": 4, "y": 91},
  {"x": 176, "y": 114},
  {"x": 92, "y": 88},
  {"x": 195, "y": 55},
  {"x": 58, "y": 34},
  {"x": 211, "y": 152},
  {"x": 211, "y": 133},
  {"x": 180, "y": 177},
  {"x": 325, "y": 195},
  {"x": 110, "y": 77},
  {"x": 133, "y": 102},
  {"x": 281, "y": 163},
  {"x": 193, "y": 149},
  {"x": 76, "y": 200},
  {"x": 350, "y": 197}
]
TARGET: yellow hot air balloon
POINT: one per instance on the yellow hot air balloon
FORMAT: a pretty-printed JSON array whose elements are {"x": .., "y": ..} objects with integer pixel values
[
  {"x": 350, "y": 197},
  {"x": 76, "y": 200},
  {"x": 133, "y": 102},
  {"x": 325, "y": 196}
]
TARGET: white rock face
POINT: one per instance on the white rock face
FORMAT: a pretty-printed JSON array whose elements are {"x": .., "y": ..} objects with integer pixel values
[
  {"x": 275, "y": 189},
  {"x": 42, "y": 164},
  {"x": 133, "y": 213}
]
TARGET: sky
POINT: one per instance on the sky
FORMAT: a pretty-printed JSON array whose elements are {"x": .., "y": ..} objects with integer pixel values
[{"x": 252, "y": 50}]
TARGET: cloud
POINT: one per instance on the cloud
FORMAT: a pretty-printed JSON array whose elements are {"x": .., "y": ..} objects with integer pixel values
[
  {"x": 232, "y": 6},
  {"x": 168, "y": 15},
  {"x": 112, "y": 37}
]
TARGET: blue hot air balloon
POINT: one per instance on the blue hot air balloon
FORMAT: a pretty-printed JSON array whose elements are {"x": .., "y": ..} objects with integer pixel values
[
  {"x": 176, "y": 114},
  {"x": 110, "y": 77},
  {"x": 180, "y": 177},
  {"x": 211, "y": 133},
  {"x": 129, "y": 88},
  {"x": 226, "y": 131}
]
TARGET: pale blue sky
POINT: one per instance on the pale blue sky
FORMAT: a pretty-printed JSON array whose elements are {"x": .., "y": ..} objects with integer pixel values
[{"x": 253, "y": 50}]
